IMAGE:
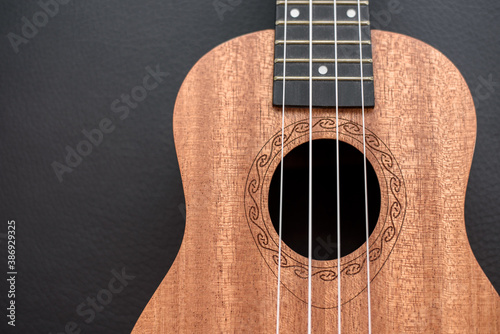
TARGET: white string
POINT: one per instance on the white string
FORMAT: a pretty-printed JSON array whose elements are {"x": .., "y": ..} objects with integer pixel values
[
  {"x": 309, "y": 290},
  {"x": 365, "y": 178},
  {"x": 339, "y": 295},
  {"x": 281, "y": 177}
]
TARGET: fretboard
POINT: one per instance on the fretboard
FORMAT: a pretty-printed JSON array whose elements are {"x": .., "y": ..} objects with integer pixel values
[{"x": 349, "y": 60}]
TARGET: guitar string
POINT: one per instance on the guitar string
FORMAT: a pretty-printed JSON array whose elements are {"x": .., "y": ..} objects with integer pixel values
[
  {"x": 337, "y": 158},
  {"x": 364, "y": 172},
  {"x": 281, "y": 176},
  {"x": 309, "y": 271}
]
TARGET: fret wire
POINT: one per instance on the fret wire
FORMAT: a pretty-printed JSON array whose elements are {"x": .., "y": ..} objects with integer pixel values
[
  {"x": 303, "y": 78},
  {"x": 323, "y": 2},
  {"x": 344, "y": 23},
  {"x": 305, "y": 60},
  {"x": 304, "y": 42}
]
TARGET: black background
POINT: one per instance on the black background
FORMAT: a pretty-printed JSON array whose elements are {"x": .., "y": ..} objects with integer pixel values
[{"x": 122, "y": 207}]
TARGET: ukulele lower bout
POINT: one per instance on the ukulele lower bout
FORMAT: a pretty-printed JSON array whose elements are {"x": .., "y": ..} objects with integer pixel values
[{"x": 425, "y": 280}]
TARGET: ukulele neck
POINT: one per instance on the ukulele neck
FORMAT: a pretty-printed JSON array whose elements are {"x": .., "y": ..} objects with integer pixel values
[{"x": 353, "y": 56}]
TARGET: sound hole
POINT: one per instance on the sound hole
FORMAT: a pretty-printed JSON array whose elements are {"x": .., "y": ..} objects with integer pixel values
[{"x": 324, "y": 196}]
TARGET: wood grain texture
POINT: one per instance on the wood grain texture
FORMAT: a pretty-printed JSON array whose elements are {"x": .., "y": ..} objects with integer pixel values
[{"x": 221, "y": 280}]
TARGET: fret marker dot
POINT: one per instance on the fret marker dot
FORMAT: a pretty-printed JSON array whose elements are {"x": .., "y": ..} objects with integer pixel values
[
  {"x": 351, "y": 13},
  {"x": 295, "y": 13},
  {"x": 323, "y": 70}
]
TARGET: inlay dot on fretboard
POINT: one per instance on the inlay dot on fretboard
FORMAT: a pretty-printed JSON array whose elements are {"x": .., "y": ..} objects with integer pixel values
[
  {"x": 323, "y": 70},
  {"x": 295, "y": 13},
  {"x": 351, "y": 13}
]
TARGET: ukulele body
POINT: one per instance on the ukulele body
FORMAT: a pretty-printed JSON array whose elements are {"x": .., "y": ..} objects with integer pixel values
[{"x": 420, "y": 137}]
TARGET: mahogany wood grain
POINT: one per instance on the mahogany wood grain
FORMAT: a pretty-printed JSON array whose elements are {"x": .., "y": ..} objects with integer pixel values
[{"x": 223, "y": 282}]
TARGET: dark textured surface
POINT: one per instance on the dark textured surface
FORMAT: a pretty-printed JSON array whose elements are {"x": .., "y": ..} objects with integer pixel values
[{"x": 122, "y": 206}]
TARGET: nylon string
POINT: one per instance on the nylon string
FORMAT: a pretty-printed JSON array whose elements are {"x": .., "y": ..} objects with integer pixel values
[
  {"x": 339, "y": 289},
  {"x": 364, "y": 171},
  {"x": 281, "y": 177},
  {"x": 309, "y": 271}
]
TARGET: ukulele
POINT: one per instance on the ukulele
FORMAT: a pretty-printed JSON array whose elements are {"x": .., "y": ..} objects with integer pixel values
[{"x": 324, "y": 167}]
